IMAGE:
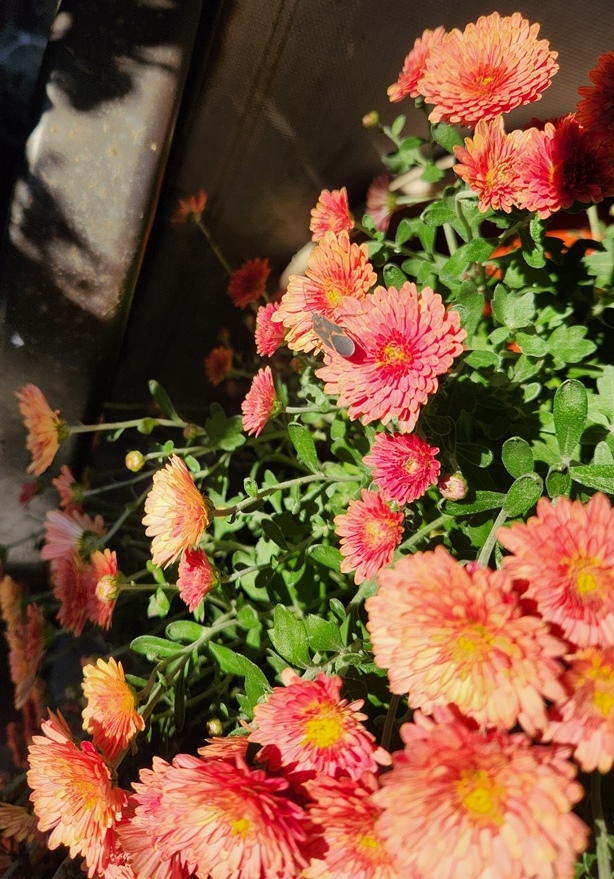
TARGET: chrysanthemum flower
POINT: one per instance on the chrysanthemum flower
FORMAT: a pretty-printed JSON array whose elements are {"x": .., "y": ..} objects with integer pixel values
[
  {"x": 146, "y": 861},
  {"x": 381, "y": 203},
  {"x": 337, "y": 270},
  {"x": 596, "y": 109},
  {"x": 261, "y": 402},
  {"x": 28, "y": 492},
  {"x": 565, "y": 553},
  {"x": 269, "y": 336},
  {"x": 196, "y": 577},
  {"x": 224, "y": 819},
  {"x": 453, "y": 486},
  {"x": 344, "y": 812},
  {"x": 46, "y": 429},
  {"x": 110, "y": 715},
  {"x": 103, "y": 586},
  {"x": 307, "y": 729},
  {"x": 218, "y": 364},
  {"x": 489, "y": 165},
  {"x": 403, "y": 465},
  {"x": 73, "y": 795},
  {"x": 491, "y": 67},
  {"x": 248, "y": 283},
  {"x": 17, "y": 823},
  {"x": 71, "y": 531},
  {"x": 70, "y": 580},
  {"x": 190, "y": 209},
  {"x": 562, "y": 164},
  {"x": 370, "y": 532},
  {"x": 414, "y": 65},
  {"x": 461, "y": 802},
  {"x": 24, "y": 637},
  {"x": 406, "y": 339},
  {"x": 70, "y": 491},
  {"x": 449, "y": 634},
  {"x": 331, "y": 214},
  {"x": 176, "y": 513}
]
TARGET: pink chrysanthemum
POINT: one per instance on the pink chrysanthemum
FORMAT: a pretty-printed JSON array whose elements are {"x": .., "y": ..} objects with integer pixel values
[
  {"x": 489, "y": 165},
  {"x": 449, "y": 634},
  {"x": 566, "y": 554},
  {"x": 502, "y": 804},
  {"x": 224, "y": 819},
  {"x": 176, "y": 513},
  {"x": 337, "y": 271},
  {"x": 331, "y": 214},
  {"x": 46, "y": 429},
  {"x": 344, "y": 811},
  {"x": 190, "y": 209},
  {"x": 73, "y": 795},
  {"x": 137, "y": 841},
  {"x": 196, "y": 577},
  {"x": 67, "y": 532},
  {"x": 248, "y": 283},
  {"x": 406, "y": 339},
  {"x": 261, "y": 402},
  {"x": 370, "y": 532},
  {"x": 307, "y": 729},
  {"x": 414, "y": 65},
  {"x": 586, "y": 720},
  {"x": 403, "y": 465},
  {"x": 491, "y": 67},
  {"x": 596, "y": 109},
  {"x": 562, "y": 164},
  {"x": 70, "y": 491},
  {"x": 381, "y": 203},
  {"x": 218, "y": 364},
  {"x": 269, "y": 336},
  {"x": 110, "y": 715}
]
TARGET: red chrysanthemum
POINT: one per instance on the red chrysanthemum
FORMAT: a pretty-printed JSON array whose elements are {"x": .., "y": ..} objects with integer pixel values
[
  {"x": 489, "y": 165},
  {"x": 46, "y": 430},
  {"x": 337, "y": 271},
  {"x": 414, "y": 65},
  {"x": 196, "y": 577},
  {"x": 331, "y": 214},
  {"x": 562, "y": 164},
  {"x": 268, "y": 335},
  {"x": 586, "y": 719},
  {"x": 307, "y": 729},
  {"x": 261, "y": 402},
  {"x": 491, "y": 67},
  {"x": 381, "y": 203},
  {"x": 370, "y": 532},
  {"x": 190, "y": 209},
  {"x": 460, "y": 802},
  {"x": 403, "y": 465},
  {"x": 176, "y": 513},
  {"x": 218, "y": 364},
  {"x": 596, "y": 109},
  {"x": 248, "y": 283},
  {"x": 565, "y": 553},
  {"x": 449, "y": 634},
  {"x": 405, "y": 339},
  {"x": 110, "y": 714},
  {"x": 73, "y": 795}
]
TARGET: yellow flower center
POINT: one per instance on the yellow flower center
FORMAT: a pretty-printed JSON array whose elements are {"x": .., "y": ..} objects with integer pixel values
[
  {"x": 395, "y": 354},
  {"x": 368, "y": 841},
  {"x": 603, "y": 693},
  {"x": 588, "y": 577},
  {"x": 240, "y": 827},
  {"x": 481, "y": 796},
  {"x": 473, "y": 644},
  {"x": 325, "y": 729}
]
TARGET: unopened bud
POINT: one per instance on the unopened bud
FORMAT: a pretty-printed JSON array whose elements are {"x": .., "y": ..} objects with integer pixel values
[
  {"x": 214, "y": 727},
  {"x": 370, "y": 120},
  {"x": 134, "y": 461},
  {"x": 191, "y": 431},
  {"x": 453, "y": 487}
]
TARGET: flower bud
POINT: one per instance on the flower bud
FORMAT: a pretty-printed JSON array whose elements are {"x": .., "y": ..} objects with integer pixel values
[
  {"x": 453, "y": 487},
  {"x": 370, "y": 120},
  {"x": 214, "y": 727},
  {"x": 134, "y": 461}
]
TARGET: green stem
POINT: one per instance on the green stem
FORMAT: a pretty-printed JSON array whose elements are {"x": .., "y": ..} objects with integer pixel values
[
  {"x": 124, "y": 425},
  {"x": 130, "y": 508},
  {"x": 604, "y": 870},
  {"x": 593, "y": 222},
  {"x": 424, "y": 532},
  {"x": 448, "y": 231},
  {"x": 90, "y": 492},
  {"x": 389, "y": 722},
  {"x": 223, "y": 512},
  {"x": 216, "y": 250},
  {"x": 282, "y": 558},
  {"x": 489, "y": 544}
]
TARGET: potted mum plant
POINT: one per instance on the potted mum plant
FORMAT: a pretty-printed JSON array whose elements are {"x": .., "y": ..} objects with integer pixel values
[{"x": 364, "y": 627}]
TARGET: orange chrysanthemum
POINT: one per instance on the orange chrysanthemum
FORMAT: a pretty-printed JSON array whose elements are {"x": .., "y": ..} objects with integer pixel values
[
  {"x": 449, "y": 634},
  {"x": 565, "y": 553},
  {"x": 414, "y": 65},
  {"x": 337, "y": 270},
  {"x": 248, "y": 283},
  {"x": 489, "y": 165},
  {"x": 269, "y": 336},
  {"x": 491, "y": 67},
  {"x": 370, "y": 532},
  {"x": 196, "y": 577},
  {"x": 596, "y": 109},
  {"x": 404, "y": 466},
  {"x": 218, "y": 364},
  {"x": 344, "y": 811},
  {"x": 176, "y": 513},
  {"x": 190, "y": 209},
  {"x": 103, "y": 586},
  {"x": 24, "y": 636},
  {"x": 73, "y": 795},
  {"x": 46, "y": 430},
  {"x": 503, "y": 805},
  {"x": 405, "y": 339},
  {"x": 307, "y": 729},
  {"x": 261, "y": 402},
  {"x": 381, "y": 203},
  {"x": 110, "y": 715},
  {"x": 331, "y": 214}
]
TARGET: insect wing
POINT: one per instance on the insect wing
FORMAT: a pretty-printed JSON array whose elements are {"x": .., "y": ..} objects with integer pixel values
[{"x": 332, "y": 335}]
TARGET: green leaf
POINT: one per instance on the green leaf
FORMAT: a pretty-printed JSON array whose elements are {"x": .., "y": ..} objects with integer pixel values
[
  {"x": 469, "y": 303},
  {"x": 159, "y": 605},
  {"x": 289, "y": 637},
  {"x": 531, "y": 344},
  {"x": 446, "y": 136},
  {"x": 248, "y": 618},
  {"x": 323, "y": 635},
  {"x": 569, "y": 412},
  {"x": 398, "y": 125},
  {"x": 523, "y": 495},
  {"x": 256, "y": 684},
  {"x": 476, "y": 251},
  {"x": 184, "y": 631},
  {"x": 597, "y": 476},
  {"x": 393, "y": 276},
  {"x": 568, "y": 345},
  {"x": 517, "y": 457},
  {"x": 478, "y": 502},
  {"x": 558, "y": 483},
  {"x": 600, "y": 263},
  {"x": 302, "y": 440},
  {"x": 329, "y": 556},
  {"x": 273, "y": 532},
  {"x": 162, "y": 399},
  {"x": 154, "y": 648},
  {"x": 605, "y": 386},
  {"x": 482, "y": 359},
  {"x": 512, "y": 310},
  {"x": 223, "y": 432}
]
